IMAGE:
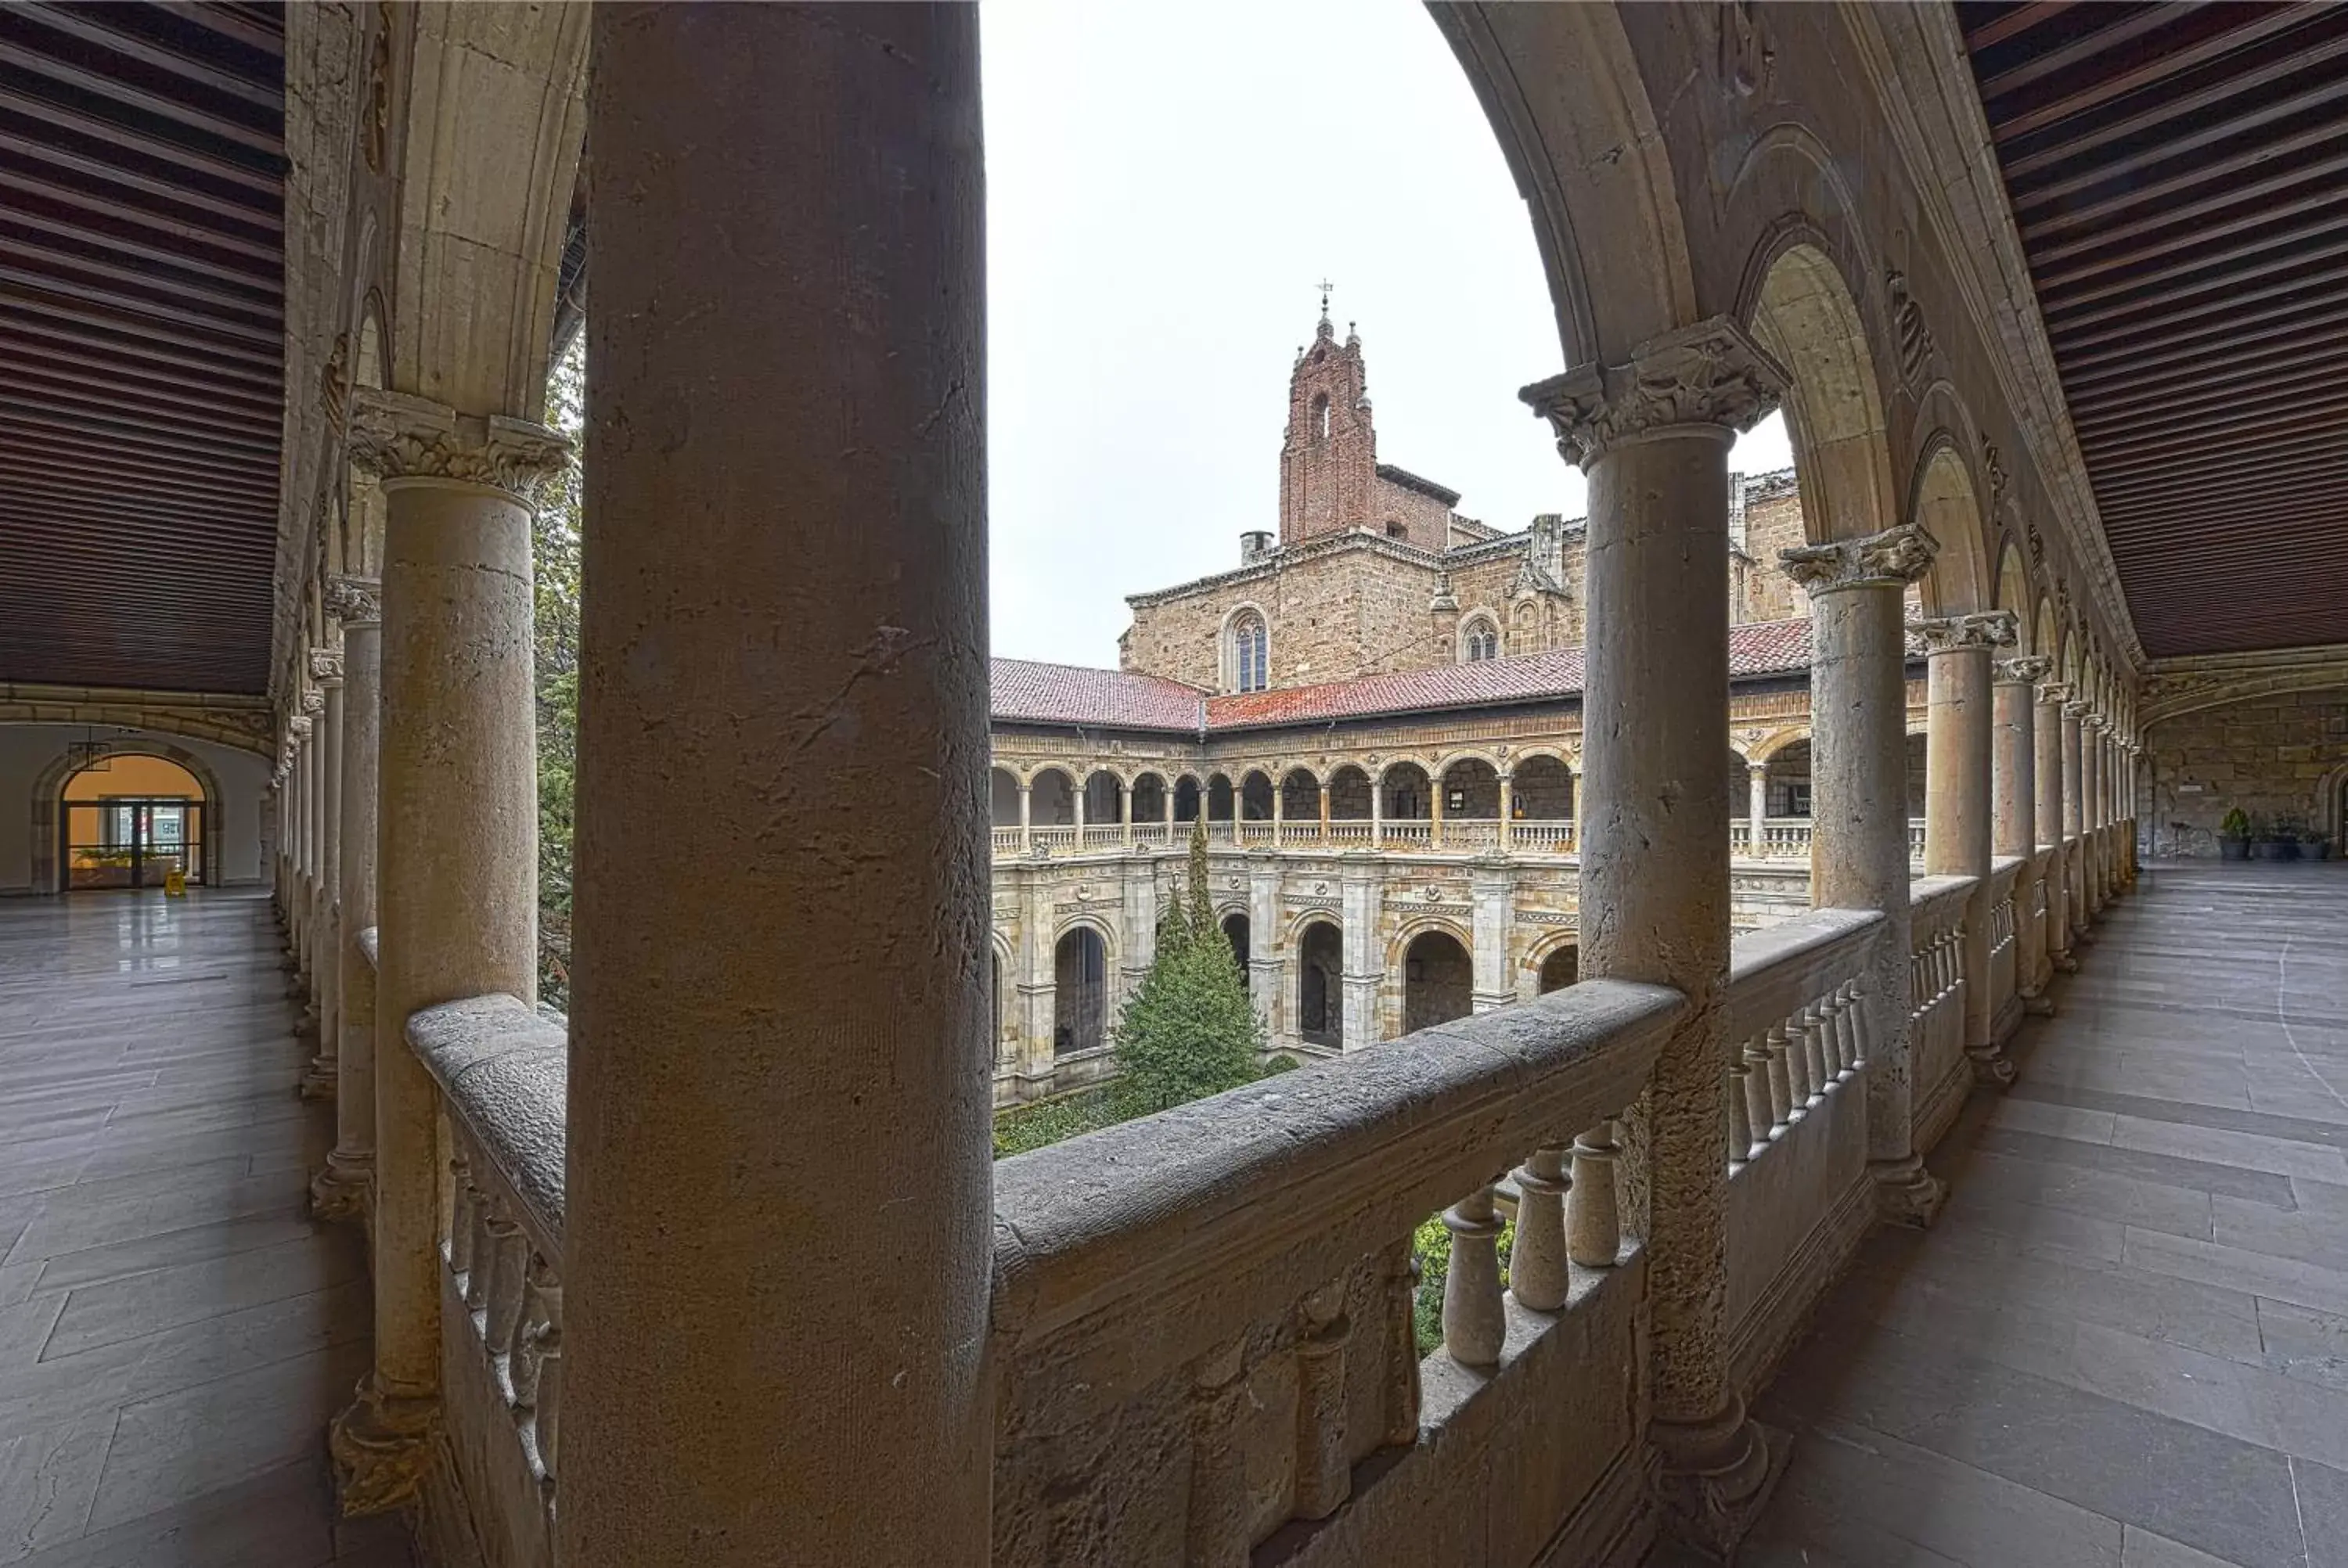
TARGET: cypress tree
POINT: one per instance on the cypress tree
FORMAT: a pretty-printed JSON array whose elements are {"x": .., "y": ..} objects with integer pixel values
[{"x": 1188, "y": 1029}]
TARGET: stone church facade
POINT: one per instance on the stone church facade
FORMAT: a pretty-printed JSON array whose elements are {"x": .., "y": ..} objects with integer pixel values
[{"x": 1378, "y": 714}]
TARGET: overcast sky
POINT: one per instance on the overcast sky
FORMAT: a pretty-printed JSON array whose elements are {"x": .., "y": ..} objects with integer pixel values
[{"x": 1166, "y": 186}]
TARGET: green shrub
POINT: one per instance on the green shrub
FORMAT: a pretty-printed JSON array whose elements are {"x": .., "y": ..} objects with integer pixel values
[
  {"x": 2236, "y": 825},
  {"x": 1188, "y": 1029},
  {"x": 1023, "y": 1127}
]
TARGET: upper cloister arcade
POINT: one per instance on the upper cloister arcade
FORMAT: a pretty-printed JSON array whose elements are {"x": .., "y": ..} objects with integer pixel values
[{"x": 2040, "y": 289}]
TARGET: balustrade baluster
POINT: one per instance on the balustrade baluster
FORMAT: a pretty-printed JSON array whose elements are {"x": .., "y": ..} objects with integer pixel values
[
  {"x": 1401, "y": 1380},
  {"x": 1218, "y": 1522},
  {"x": 1538, "y": 1275},
  {"x": 1475, "y": 1325},
  {"x": 1758, "y": 1114},
  {"x": 461, "y": 1219},
  {"x": 522, "y": 1373},
  {"x": 1323, "y": 1475},
  {"x": 1781, "y": 1090},
  {"x": 1740, "y": 1117},
  {"x": 1594, "y": 1218},
  {"x": 1817, "y": 1054},
  {"x": 1798, "y": 1069},
  {"x": 1862, "y": 1037},
  {"x": 483, "y": 1252},
  {"x": 503, "y": 1301},
  {"x": 546, "y": 1358}
]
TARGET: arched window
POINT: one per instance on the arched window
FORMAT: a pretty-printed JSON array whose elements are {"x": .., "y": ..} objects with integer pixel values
[
  {"x": 1251, "y": 653},
  {"x": 1481, "y": 640},
  {"x": 1320, "y": 417}
]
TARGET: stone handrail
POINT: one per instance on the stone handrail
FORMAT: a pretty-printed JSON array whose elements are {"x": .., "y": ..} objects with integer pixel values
[
  {"x": 1797, "y": 1028},
  {"x": 502, "y": 1071},
  {"x": 1158, "y": 1278},
  {"x": 1936, "y": 980}
]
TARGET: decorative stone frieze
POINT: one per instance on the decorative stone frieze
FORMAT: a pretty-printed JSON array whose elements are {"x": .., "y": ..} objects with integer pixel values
[
  {"x": 1990, "y": 629},
  {"x": 354, "y": 600},
  {"x": 1709, "y": 374},
  {"x": 395, "y": 435},
  {"x": 2028, "y": 669},
  {"x": 325, "y": 668},
  {"x": 1892, "y": 558}
]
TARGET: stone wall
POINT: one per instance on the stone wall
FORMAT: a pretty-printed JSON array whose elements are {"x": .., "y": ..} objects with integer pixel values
[
  {"x": 1348, "y": 607},
  {"x": 2275, "y": 758},
  {"x": 1772, "y": 506},
  {"x": 30, "y": 753}
]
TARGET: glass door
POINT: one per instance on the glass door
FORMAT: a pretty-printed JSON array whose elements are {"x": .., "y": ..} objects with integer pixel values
[{"x": 120, "y": 842}]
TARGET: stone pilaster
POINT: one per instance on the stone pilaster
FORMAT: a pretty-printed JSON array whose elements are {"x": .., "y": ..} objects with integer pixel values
[
  {"x": 343, "y": 1188},
  {"x": 457, "y": 868},
  {"x": 321, "y": 1081},
  {"x": 1859, "y": 791},
  {"x": 787, "y": 455},
  {"x": 2014, "y": 683},
  {"x": 1361, "y": 892},
  {"x": 2048, "y": 737},
  {"x": 2075, "y": 821},
  {"x": 1492, "y": 891},
  {"x": 1267, "y": 966},
  {"x": 1958, "y": 811},
  {"x": 1653, "y": 436}
]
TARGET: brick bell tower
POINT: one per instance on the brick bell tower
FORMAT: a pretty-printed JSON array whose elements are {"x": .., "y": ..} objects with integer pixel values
[{"x": 1330, "y": 455}]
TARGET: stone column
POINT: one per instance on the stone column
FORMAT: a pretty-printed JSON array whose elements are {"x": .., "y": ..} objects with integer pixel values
[
  {"x": 1858, "y": 816},
  {"x": 1653, "y": 436},
  {"x": 1125, "y": 810},
  {"x": 457, "y": 856},
  {"x": 1757, "y": 785},
  {"x": 1323, "y": 786},
  {"x": 1139, "y": 885},
  {"x": 2073, "y": 821},
  {"x": 2047, "y": 733},
  {"x": 297, "y": 885},
  {"x": 789, "y": 330},
  {"x": 2015, "y": 785},
  {"x": 323, "y": 1077},
  {"x": 1026, "y": 816},
  {"x": 1508, "y": 802},
  {"x": 1958, "y": 811},
  {"x": 1434, "y": 812},
  {"x": 341, "y": 1191},
  {"x": 1377, "y": 808},
  {"x": 2091, "y": 810},
  {"x": 1359, "y": 891},
  {"x": 1492, "y": 890},
  {"x": 1039, "y": 994},
  {"x": 1267, "y": 964}
]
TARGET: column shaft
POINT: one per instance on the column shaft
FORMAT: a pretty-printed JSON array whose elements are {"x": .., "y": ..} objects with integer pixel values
[
  {"x": 2073, "y": 821},
  {"x": 2046, "y": 735},
  {"x": 1959, "y": 829},
  {"x": 1757, "y": 786},
  {"x": 788, "y": 456},
  {"x": 2016, "y": 788},
  {"x": 342, "y": 1190},
  {"x": 323, "y": 1079}
]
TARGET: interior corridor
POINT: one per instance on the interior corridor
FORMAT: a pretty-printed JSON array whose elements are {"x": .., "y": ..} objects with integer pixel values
[
  {"x": 2125, "y": 1340},
  {"x": 174, "y": 1329}
]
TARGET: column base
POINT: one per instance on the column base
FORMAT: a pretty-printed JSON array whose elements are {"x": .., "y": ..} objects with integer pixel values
[
  {"x": 381, "y": 1446},
  {"x": 1906, "y": 1194},
  {"x": 321, "y": 1081},
  {"x": 2037, "y": 1004},
  {"x": 2065, "y": 964},
  {"x": 1992, "y": 1069},
  {"x": 1715, "y": 1479},
  {"x": 340, "y": 1192}
]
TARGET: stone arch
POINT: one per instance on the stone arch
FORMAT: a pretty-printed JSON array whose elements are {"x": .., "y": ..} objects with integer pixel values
[
  {"x": 49, "y": 795},
  {"x": 2048, "y": 637},
  {"x": 1351, "y": 789},
  {"x": 1802, "y": 310},
  {"x": 1562, "y": 88},
  {"x": 1103, "y": 797},
  {"x": 1436, "y": 962},
  {"x": 484, "y": 214},
  {"x": 1221, "y": 797},
  {"x": 1944, "y": 500},
  {"x": 1052, "y": 796},
  {"x": 1190, "y": 797},
  {"x": 1541, "y": 962},
  {"x": 1239, "y": 930},
  {"x": 1406, "y": 790},
  {"x": 1476, "y": 780},
  {"x": 2013, "y": 594},
  {"x": 1002, "y": 797},
  {"x": 1300, "y": 794},
  {"x": 1770, "y": 745},
  {"x": 1540, "y": 787},
  {"x": 1319, "y": 940},
  {"x": 1084, "y": 953},
  {"x": 1150, "y": 795}
]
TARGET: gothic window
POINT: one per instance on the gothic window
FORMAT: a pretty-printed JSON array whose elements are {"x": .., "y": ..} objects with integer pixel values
[
  {"x": 1481, "y": 640},
  {"x": 1320, "y": 417},
  {"x": 1251, "y": 653}
]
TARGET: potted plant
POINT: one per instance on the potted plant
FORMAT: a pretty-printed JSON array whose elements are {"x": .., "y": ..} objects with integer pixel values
[
  {"x": 2234, "y": 836},
  {"x": 2314, "y": 845}
]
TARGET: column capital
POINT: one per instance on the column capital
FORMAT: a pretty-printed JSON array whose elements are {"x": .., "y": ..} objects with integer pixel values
[
  {"x": 2027, "y": 670},
  {"x": 326, "y": 670},
  {"x": 2093, "y": 721},
  {"x": 2076, "y": 712},
  {"x": 1984, "y": 629},
  {"x": 2055, "y": 691},
  {"x": 1892, "y": 558},
  {"x": 1710, "y": 373},
  {"x": 297, "y": 728},
  {"x": 394, "y": 436},
  {"x": 313, "y": 702},
  {"x": 354, "y": 600}
]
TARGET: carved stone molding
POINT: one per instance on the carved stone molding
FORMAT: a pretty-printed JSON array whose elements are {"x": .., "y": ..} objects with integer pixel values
[
  {"x": 1989, "y": 629},
  {"x": 326, "y": 667},
  {"x": 1892, "y": 558},
  {"x": 395, "y": 435},
  {"x": 2091, "y": 720},
  {"x": 2076, "y": 711},
  {"x": 2055, "y": 691},
  {"x": 1908, "y": 325},
  {"x": 2026, "y": 671},
  {"x": 1709, "y": 374},
  {"x": 298, "y": 727},
  {"x": 354, "y": 600},
  {"x": 313, "y": 701},
  {"x": 2177, "y": 686}
]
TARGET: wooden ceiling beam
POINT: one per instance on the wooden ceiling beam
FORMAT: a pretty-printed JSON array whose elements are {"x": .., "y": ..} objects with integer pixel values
[
  {"x": 218, "y": 210},
  {"x": 138, "y": 447},
  {"x": 41, "y": 112},
  {"x": 162, "y": 105},
  {"x": 2170, "y": 315},
  {"x": 226, "y": 24},
  {"x": 218, "y": 520},
  {"x": 2128, "y": 169},
  {"x": 2151, "y": 69},
  {"x": 139, "y": 382},
  {"x": 178, "y": 432},
  {"x": 93, "y": 27},
  {"x": 2083, "y": 373},
  {"x": 125, "y": 310},
  {"x": 116, "y": 472},
  {"x": 100, "y": 347},
  {"x": 2177, "y": 215},
  {"x": 2328, "y": 221},
  {"x": 2217, "y": 389},
  {"x": 177, "y": 250},
  {"x": 2124, "y": 29}
]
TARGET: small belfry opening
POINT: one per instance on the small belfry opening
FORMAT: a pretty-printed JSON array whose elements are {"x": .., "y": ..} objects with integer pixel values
[
  {"x": 1080, "y": 991},
  {"x": 1438, "y": 981},
  {"x": 132, "y": 821}
]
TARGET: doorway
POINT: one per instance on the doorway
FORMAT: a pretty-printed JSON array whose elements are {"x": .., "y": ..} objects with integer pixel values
[{"x": 131, "y": 822}]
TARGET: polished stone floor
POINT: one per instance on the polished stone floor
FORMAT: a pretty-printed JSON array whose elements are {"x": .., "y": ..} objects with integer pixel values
[
  {"x": 174, "y": 1330},
  {"x": 2126, "y": 1343}
]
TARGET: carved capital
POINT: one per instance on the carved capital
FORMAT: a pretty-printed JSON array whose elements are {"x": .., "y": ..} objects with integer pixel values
[
  {"x": 2055, "y": 691},
  {"x": 313, "y": 701},
  {"x": 1989, "y": 629},
  {"x": 1892, "y": 558},
  {"x": 298, "y": 728},
  {"x": 355, "y": 600},
  {"x": 396, "y": 436},
  {"x": 1709, "y": 374},
  {"x": 326, "y": 667},
  {"x": 2076, "y": 712},
  {"x": 2091, "y": 720},
  {"x": 2026, "y": 671}
]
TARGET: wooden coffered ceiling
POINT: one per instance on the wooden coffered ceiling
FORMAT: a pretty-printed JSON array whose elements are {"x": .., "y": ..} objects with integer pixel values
[
  {"x": 2179, "y": 177},
  {"x": 142, "y": 343}
]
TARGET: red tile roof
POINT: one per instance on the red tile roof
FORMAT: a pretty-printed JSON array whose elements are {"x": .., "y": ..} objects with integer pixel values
[
  {"x": 1025, "y": 691},
  {"x": 1109, "y": 699}
]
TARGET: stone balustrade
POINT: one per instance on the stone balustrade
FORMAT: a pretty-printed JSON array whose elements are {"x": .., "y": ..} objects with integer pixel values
[
  {"x": 1795, "y": 1023},
  {"x": 1936, "y": 1000},
  {"x": 1782, "y": 838}
]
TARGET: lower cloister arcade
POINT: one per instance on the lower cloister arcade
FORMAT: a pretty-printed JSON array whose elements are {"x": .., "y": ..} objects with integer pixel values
[{"x": 1973, "y": 1212}]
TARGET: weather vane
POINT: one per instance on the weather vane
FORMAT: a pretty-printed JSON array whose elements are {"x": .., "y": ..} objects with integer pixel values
[{"x": 1325, "y": 286}]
